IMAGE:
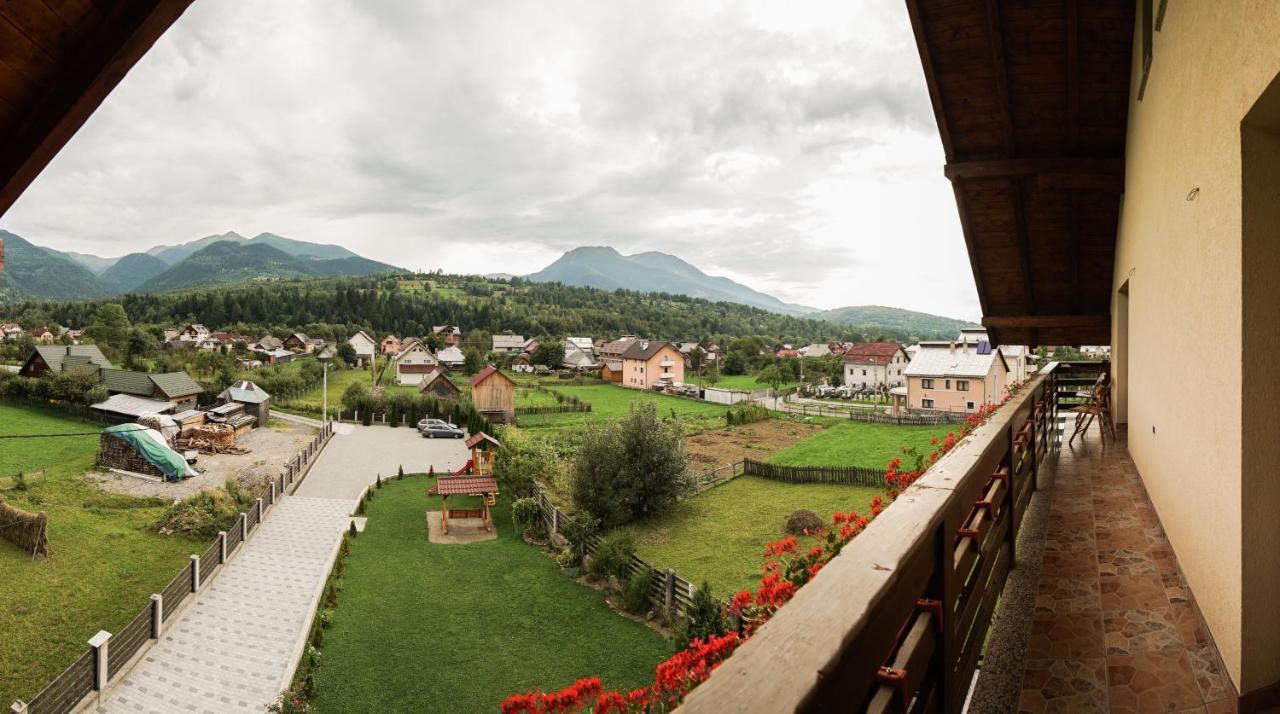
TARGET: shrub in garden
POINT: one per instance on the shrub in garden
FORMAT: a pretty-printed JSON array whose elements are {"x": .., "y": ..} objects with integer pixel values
[
  {"x": 567, "y": 558},
  {"x": 400, "y": 473},
  {"x": 579, "y": 528},
  {"x": 523, "y": 461},
  {"x": 635, "y": 596},
  {"x": 746, "y": 414},
  {"x": 631, "y": 468},
  {"x": 613, "y": 557},
  {"x": 802, "y": 521},
  {"x": 526, "y": 511},
  {"x": 702, "y": 621},
  {"x": 209, "y": 511}
]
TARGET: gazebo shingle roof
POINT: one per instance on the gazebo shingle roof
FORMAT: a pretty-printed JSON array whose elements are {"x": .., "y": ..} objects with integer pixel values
[{"x": 465, "y": 485}]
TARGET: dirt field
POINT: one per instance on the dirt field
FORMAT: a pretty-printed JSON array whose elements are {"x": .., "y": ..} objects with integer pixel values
[
  {"x": 270, "y": 449},
  {"x": 758, "y": 441}
]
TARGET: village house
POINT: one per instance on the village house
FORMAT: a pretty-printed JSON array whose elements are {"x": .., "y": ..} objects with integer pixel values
[
  {"x": 298, "y": 342},
  {"x": 511, "y": 344},
  {"x": 450, "y": 334},
  {"x": 577, "y": 359},
  {"x": 43, "y": 335},
  {"x": 414, "y": 362},
  {"x": 874, "y": 365},
  {"x": 521, "y": 363},
  {"x": 1020, "y": 358},
  {"x": 613, "y": 350},
  {"x": 176, "y": 388},
  {"x": 268, "y": 344},
  {"x": 436, "y": 383},
  {"x": 611, "y": 370},
  {"x": 194, "y": 334},
  {"x": 57, "y": 358},
  {"x": 10, "y": 331},
  {"x": 956, "y": 379},
  {"x": 390, "y": 345},
  {"x": 648, "y": 363},
  {"x": 817, "y": 349},
  {"x": 494, "y": 395},
  {"x": 364, "y": 346},
  {"x": 585, "y": 344},
  {"x": 451, "y": 357}
]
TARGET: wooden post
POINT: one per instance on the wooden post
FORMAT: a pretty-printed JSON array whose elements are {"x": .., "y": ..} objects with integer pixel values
[
  {"x": 669, "y": 593},
  {"x": 444, "y": 514}
]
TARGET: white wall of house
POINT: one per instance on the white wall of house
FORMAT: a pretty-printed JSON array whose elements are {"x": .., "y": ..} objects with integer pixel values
[
  {"x": 416, "y": 355},
  {"x": 871, "y": 375}
]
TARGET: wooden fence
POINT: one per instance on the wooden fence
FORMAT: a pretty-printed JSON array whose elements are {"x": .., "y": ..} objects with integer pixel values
[
  {"x": 110, "y": 654},
  {"x": 851, "y": 475},
  {"x": 557, "y": 409},
  {"x": 668, "y": 592}
]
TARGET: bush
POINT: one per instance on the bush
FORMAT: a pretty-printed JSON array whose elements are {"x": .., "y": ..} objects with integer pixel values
[
  {"x": 579, "y": 528},
  {"x": 704, "y": 619},
  {"x": 526, "y": 511},
  {"x": 613, "y": 557},
  {"x": 635, "y": 597},
  {"x": 632, "y": 468},
  {"x": 746, "y": 414},
  {"x": 523, "y": 461},
  {"x": 803, "y": 521},
  {"x": 567, "y": 558},
  {"x": 207, "y": 512}
]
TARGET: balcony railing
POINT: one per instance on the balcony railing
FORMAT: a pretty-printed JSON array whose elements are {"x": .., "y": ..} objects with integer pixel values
[
  {"x": 897, "y": 621},
  {"x": 667, "y": 363}
]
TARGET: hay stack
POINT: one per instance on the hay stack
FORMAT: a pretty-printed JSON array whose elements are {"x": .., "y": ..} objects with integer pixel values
[{"x": 28, "y": 531}]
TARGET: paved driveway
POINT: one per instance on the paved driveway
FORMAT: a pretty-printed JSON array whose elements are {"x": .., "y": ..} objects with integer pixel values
[{"x": 357, "y": 454}]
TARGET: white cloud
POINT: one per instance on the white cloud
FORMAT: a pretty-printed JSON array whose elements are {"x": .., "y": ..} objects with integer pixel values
[{"x": 787, "y": 145}]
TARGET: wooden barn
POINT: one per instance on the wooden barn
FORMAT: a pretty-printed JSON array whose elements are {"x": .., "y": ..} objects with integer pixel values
[
  {"x": 439, "y": 385},
  {"x": 494, "y": 394}
]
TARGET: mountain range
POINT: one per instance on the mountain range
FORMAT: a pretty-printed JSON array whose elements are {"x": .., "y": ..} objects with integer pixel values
[
  {"x": 605, "y": 268},
  {"x": 34, "y": 271}
]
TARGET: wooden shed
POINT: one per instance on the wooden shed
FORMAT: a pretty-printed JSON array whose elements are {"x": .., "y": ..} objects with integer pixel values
[
  {"x": 439, "y": 385},
  {"x": 494, "y": 394}
]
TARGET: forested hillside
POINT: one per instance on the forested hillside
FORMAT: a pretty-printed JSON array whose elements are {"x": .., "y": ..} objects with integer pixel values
[{"x": 410, "y": 306}]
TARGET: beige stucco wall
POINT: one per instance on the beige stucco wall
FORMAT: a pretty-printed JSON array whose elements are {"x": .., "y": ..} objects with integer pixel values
[
  {"x": 986, "y": 390},
  {"x": 1179, "y": 249}
]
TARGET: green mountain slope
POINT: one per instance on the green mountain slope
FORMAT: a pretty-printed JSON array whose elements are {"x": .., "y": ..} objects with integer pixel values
[
  {"x": 226, "y": 262},
  {"x": 607, "y": 269},
  {"x": 131, "y": 271},
  {"x": 37, "y": 272},
  {"x": 174, "y": 254},
  {"x": 897, "y": 320},
  {"x": 93, "y": 263}
]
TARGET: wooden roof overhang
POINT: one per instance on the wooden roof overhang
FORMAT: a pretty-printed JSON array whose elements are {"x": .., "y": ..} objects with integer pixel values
[
  {"x": 58, "y": 60},
  {"x": 1031, "y": 99}
]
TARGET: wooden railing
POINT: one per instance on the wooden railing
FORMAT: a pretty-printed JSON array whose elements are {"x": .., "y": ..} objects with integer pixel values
[{"x": 898, "y": 620}]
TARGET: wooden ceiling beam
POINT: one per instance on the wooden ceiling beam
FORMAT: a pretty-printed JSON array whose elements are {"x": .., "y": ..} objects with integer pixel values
[
  {"x": 995, "y": 31},
  {"x": 1073, "y": 75},
  {"x": 1054, "y": 322},
  {"x": 1024, "y": 245},
  {"x": 1080, "y": 167},
  {"x": 930, "y": 75}
]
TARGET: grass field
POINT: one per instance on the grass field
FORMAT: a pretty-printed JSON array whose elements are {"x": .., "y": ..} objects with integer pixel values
[
  {"x": 339, "y": 380},
  {"x": 853, "y": 443},
  {"x": 457, "y": 628},
  {"x": 719, "y": 535},
  {"x": 609, "y": 401},
  {"x": 104, "y": 563},
  {"x": 744, "y": 382}
]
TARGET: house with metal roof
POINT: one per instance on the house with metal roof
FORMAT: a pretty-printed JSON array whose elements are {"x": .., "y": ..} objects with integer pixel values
[
  {"x": 255, "y": 399},
  {"x": 177, "y": 388},
  {"x": 956, "y": 379},
  {"x": 508, "y": 343},
  {"x": 57, "y": 358}
]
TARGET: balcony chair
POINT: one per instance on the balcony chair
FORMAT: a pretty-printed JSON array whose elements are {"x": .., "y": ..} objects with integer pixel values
[{"x": 1097, "y": 405}]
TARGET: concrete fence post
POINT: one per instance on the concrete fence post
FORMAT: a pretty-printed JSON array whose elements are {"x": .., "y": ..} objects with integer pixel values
[
  {"x": 259, "y": 511},
  {"x": 100, "y": 653},
  {"x": 244, "y": 526},
  {"x": 272, "y": 493},
  {"x": 157, "y": 615},
  {"x": 195, "y": 573},
  {"x": 222, "y": 547},
  {"x": 18, "y": 707}
]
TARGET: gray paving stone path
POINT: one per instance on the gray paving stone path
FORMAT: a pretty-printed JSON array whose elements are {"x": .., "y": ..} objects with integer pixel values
[{"x": 233, "y": 646}]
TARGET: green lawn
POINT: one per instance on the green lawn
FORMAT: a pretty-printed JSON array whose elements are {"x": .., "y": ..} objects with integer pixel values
[
  {"x": 104, "y": 563},
  {"x": 744, "y": 382},
  {"x": 609, "y": 401},
  {"x": 720, "y": 535},
  {"x": 855, "y": 443},
  {"x": 339, "y": 380},
  {"x": 457, "y": 628}
]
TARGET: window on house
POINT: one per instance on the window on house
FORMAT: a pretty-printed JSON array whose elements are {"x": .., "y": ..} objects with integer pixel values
[
  {"x": 962, "y": 385},
  {"x": 926, "y": 403},
  {"x": 864, "y": 372},
  {"x": 968, "y": 406},
  {"x": 947, "y": 384},
  {"x": 926, "y": 384}
]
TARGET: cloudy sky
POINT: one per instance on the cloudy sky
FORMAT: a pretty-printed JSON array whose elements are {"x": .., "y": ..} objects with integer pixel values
[{"x": 789, "y": 146}]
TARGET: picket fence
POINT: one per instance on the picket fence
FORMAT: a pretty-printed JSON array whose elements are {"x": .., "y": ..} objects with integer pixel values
[{"x": 850, "y": 475}]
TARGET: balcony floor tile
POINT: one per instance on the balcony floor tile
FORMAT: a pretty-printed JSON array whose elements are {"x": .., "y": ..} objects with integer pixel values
[{"x": 1114, "y": 628}]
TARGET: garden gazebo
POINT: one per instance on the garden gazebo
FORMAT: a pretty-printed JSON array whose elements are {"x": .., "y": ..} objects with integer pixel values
[{"x": 486, "y": 487}]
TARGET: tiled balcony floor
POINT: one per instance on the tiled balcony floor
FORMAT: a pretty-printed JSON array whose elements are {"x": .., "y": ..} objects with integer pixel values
[{"x": 1113, "y": 629}]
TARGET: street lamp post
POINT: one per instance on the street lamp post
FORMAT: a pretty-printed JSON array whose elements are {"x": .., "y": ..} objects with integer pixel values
[{"x": 324, "y": 358}]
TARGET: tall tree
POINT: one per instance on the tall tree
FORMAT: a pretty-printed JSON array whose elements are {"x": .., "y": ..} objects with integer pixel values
[{"x": 110, "y": 328}]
